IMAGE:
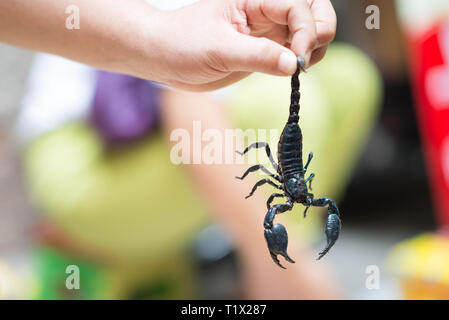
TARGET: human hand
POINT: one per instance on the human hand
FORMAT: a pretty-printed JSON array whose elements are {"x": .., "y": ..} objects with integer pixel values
[
  {"x": 204, "y": 46},
  {"x": 213, "y": 43}
]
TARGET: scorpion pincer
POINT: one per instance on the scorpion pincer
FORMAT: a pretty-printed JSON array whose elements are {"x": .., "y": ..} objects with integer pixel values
[{"x": 291, "y": 182}]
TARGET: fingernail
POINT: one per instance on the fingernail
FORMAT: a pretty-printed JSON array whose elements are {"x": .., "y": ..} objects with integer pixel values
[
  {"x": 307, "y": 58},
  {"x": 287, "y": 62}
]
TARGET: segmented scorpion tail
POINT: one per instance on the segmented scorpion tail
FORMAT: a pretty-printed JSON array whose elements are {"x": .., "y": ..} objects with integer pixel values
[{"x": 295, "y": 95}]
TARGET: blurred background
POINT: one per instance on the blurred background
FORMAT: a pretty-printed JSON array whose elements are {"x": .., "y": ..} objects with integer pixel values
[{"x": 59, "y": 205}]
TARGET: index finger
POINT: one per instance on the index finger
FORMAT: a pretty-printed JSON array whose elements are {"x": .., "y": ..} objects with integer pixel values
[
  {"x": 325, "y": 20},
  {"x": 298, "y": 16}
]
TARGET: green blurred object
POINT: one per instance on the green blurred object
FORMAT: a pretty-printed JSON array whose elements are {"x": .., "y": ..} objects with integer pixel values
[
  {"x": 51, "y": 267},
  {"x": 170, "y": 279},
  {"x": 121, "y": 204}
]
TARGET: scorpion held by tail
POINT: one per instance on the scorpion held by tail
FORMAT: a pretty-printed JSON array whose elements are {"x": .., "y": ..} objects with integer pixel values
[{"x": 290, "y": 177}]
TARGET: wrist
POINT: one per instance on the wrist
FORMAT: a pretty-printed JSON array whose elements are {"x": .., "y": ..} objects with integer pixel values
[{"x": 140, "y": 47}]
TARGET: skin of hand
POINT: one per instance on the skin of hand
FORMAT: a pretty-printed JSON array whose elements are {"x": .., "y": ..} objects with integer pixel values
[
  {"x": 243, "y": 218},
  {"x": 204, "y": 46}
]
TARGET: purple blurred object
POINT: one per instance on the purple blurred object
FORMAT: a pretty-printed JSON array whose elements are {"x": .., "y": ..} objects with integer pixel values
[{"x": 124, "y": 108}]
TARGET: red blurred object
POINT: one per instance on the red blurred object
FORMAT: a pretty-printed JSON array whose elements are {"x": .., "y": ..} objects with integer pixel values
[{"x": 429, "y": 67}]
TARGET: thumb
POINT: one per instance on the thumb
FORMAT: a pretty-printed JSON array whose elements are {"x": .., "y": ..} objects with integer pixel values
[{"x": 252, "y": 54}]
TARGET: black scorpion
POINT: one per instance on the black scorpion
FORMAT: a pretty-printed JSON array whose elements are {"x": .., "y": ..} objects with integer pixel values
[{"x": 290, "y": 175}]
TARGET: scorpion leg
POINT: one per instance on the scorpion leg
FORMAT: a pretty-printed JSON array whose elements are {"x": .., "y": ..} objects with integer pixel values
[
  {"x": 310, "y": 178},
  {"x": 333, "y": 223},
  {"x": 262, "y": 182},
  {"x": 308, "y": 161},
  {"x": 308, "y": 204},
  {"x": 271, "y": 198},
  {"x": 305, "y": 211},
  {"x": 267, "y": 149},
  {"x": 261, "y": 167},
  {"x": 276, "y": 236}
]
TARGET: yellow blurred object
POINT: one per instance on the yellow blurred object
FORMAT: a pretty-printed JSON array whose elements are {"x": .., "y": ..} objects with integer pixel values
[{"x": 422, "y": 265}]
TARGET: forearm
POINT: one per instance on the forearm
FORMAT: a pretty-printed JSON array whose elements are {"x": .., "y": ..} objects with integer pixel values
[{"x": 113, "y": 34}]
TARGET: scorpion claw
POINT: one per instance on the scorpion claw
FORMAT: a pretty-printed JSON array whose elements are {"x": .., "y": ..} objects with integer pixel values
[
  {"x": 333, "y": 226},
  {"x": 277, "y": 240},
  {"x": 276, "y": 260}
]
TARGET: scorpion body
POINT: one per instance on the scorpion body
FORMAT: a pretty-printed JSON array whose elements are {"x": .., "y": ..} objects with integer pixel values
[{"x": 290, "y": 177}]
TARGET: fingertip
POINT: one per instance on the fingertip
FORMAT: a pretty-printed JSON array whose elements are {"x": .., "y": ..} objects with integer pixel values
[
  {"x": 307, "y": 58},
  {"x": 303, "y": 44},
  {"x": 287, "y": 62},
  {"x": 317, "y": 55}
]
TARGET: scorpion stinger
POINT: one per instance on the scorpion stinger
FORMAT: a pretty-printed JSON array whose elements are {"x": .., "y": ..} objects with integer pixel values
[{"x": 290, "y": 176}]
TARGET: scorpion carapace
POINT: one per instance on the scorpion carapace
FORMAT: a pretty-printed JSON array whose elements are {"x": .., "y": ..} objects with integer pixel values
[{"x": 291, "y": 181}]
